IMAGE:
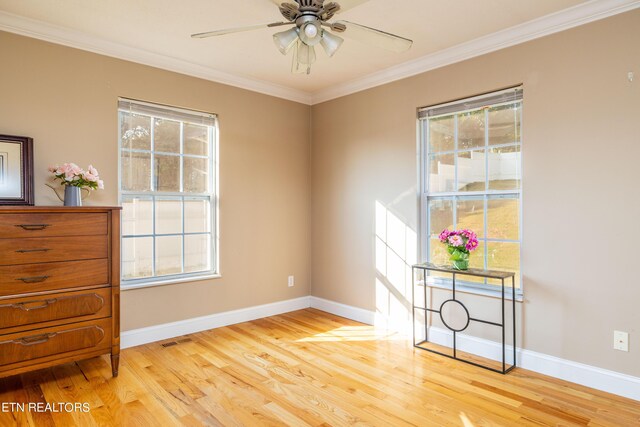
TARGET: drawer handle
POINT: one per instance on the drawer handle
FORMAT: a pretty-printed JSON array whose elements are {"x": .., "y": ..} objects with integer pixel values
[
  {"x": 24, "y": 251},
  {"x": 34, "y": 279},
  {"x": 33, "y": 226},
  {"x": 43, "y": 304},
  {"x": 36, "y": 339}
]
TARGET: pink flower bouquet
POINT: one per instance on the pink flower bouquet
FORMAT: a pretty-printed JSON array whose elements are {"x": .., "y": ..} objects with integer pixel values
[
  {"x": 459, "y": 244},
  {"x": 71, "y": 174}
]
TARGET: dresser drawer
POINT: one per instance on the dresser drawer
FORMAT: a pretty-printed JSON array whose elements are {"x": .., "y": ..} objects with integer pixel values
[
  {"x": 25, "y": 279},
  {"x": 20, "y": 225},
  {"x": 70, "y": 306},
  {"x": 27, "y": 346},
  {"x": 49, "y": 249}
]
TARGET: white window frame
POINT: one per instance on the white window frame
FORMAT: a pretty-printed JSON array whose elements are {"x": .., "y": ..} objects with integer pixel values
[
  {"x": 211, "y": 196},
  {"x": 493, "y": 100}
]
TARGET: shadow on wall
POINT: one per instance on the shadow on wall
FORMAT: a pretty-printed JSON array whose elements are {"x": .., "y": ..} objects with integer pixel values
[{"x": 396, "y": 247}]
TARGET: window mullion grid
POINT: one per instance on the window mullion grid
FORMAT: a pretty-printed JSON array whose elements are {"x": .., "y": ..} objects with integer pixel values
[
  {"x": 485, "y": 250},
  {"x": 424, "y": 153},
  {"x": 506, "y": 194},
  {"x": 183, "y": 255},
  {"x": 165, "y": 153},
  {"x": 153, "y": 189},
  {"x": 486, "y": 189},
  {"x": 182, "y": 200},
  {"x": 153, "y": 243},
  {"x": 200, "y": 233},
  {"x": 136, "y": 150},
  {"x": 213, "y": 156},
  {"x": 152, "y": 161},
  {"x": 520, "y": 207},
  {"x": 154, "y": 195},
  {"x": 454, "y": 200},
  {"x": 426, "y": 216},
  {"x": 498, "y": 193},
  {"x": 456, "y": 195},
  {"x": 168, "y": 194},
  {"x": 212, "y": 136},
  {"x": 455, "y": 154},
  {"x": 181, "y": 164},
  {"x": 428, "y": 228},
  {"x": 454, "y": 210},
  {"x": 493, "y": 146}
]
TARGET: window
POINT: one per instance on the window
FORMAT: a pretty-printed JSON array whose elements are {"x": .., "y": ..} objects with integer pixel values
[
  {"x": 472, "y": 178},
  {"x": 168, "y": 193}
]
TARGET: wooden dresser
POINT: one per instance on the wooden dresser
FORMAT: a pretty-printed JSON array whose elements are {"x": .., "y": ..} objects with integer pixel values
[{"x": 59, "y": 286}]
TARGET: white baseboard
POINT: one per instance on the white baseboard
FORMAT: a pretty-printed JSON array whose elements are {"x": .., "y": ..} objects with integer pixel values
[
  {"x": 579, "y": 373},
  {"x": 164, "y": 331},
  {"x": 343, "y": 310}
]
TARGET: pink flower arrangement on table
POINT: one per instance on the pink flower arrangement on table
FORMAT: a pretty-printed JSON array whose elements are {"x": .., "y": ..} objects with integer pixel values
[
  {"x": 72, "y": 175},
  {"x": 459, "y": 238},
  {"x": 459, "y": 244}
]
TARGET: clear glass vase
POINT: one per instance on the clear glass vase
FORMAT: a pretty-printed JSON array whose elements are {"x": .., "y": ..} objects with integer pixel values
[{"x": 459, "y": 259}]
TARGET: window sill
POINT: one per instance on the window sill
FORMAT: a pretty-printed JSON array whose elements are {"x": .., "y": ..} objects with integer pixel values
[
  {"x": 476, "y": 290},
  {"x": 169, "y": 281}
]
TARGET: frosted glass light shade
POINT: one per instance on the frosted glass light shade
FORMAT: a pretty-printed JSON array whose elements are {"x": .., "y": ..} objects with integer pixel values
[
  {"x": 330, "y": 42},
  {"x": 286, "y": 40}
]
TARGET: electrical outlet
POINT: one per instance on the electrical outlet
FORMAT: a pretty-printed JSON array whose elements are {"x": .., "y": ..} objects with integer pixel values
[
  {"x": 291, "y": 281},
  {"x": 621, "y": 340}
]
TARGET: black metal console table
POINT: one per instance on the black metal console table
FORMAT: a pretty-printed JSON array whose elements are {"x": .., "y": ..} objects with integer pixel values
[{"x": 500, "y": 275}]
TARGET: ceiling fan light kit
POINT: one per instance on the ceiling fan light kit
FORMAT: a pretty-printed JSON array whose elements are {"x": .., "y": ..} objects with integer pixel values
[
  {"x": 311, "y": 33},
  {"x": 309, "y": 18},
  {"x": 331, "y": 43},
  {"x": 286, "y": 40}
]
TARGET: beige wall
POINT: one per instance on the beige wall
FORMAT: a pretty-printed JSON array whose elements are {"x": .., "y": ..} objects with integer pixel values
[
  {"x": 66, "y": 99},
  {"x": 581, "y": 148},
  {"x": 580, "y": 153}
]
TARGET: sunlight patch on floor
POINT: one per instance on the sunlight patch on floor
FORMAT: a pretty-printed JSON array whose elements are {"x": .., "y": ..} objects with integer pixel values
[
  {"x": 466, "y": 422},
  {"x": 355, "y": 333}
]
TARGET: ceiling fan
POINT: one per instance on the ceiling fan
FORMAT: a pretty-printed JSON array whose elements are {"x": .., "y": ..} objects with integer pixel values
[{"x": 310, "y": 28}]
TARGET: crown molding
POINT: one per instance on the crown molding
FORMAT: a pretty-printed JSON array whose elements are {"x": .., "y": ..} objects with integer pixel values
[
  {"x": 572, "y": 17},
  {"x": 563, "y": 20},
  {"x": 67, "y": 37}
]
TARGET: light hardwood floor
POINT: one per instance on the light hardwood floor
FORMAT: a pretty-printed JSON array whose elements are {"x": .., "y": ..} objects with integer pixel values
[{"x": 303, "y": 368}]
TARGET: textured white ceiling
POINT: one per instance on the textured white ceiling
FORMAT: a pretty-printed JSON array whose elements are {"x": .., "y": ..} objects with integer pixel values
[{"x": 164, "y": 26}]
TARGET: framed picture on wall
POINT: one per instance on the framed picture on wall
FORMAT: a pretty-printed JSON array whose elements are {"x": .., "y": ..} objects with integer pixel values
[{"x": 16, "y": 170}]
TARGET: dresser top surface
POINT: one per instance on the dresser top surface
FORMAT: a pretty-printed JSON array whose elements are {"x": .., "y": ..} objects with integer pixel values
[{"x": 57, "y": 209}]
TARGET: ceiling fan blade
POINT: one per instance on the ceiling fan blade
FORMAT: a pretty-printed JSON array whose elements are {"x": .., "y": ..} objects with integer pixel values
[
  {"x": 376, "y": 37},
  {"x": 279, "y": 2},
  {"x": 238, "y": 30},
  {"x": 346, "y": 4}
]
